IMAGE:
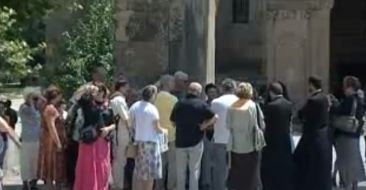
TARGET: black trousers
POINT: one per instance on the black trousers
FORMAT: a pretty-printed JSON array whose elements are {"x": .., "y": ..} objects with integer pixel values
[{"x": 72, "y": 157}]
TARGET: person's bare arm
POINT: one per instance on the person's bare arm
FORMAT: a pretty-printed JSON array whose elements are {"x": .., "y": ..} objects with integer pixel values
[
  {"x": 5, "y": 128},
  {"x": 158, "y": 127},
  {"x": 205, "y": 125},
  {"x": 106, "y": 130}
]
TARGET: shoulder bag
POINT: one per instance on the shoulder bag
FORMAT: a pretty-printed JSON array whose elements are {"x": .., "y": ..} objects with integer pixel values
[
  {"x": 349, "y": 124},
  {"x": 258, "y": 136},
  {"x": 89, "y": 133}
]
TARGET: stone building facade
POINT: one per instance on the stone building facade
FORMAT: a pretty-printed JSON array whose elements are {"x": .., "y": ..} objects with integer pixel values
[
  {"x": 286, "y": 40},
  {"x": 255, "y": 40}
]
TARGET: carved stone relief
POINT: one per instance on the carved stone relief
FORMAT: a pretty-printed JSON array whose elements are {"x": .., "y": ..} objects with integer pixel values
[
  {"x": 290, "y": 67},
  {"x": 288, "y": 14}
]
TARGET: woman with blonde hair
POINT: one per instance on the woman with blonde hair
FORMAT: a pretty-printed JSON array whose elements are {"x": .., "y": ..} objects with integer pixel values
[{"x": 245, "y": 123}]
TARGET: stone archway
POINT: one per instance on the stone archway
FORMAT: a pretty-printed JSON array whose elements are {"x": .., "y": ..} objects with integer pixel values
[{"x": 348, "y": 39}]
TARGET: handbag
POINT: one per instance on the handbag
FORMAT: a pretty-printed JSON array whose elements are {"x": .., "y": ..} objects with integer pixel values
[
  {"x": 89, "y": 134},
  {"x": 349, "y": 124},
  {"x": 132, "y": 147},
  {"x": 131, "y": 151},
  {"x": 258, "y": 135}
]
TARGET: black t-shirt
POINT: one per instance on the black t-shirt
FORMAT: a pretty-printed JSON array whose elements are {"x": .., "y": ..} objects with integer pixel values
[{"x": 187, "y": 115}]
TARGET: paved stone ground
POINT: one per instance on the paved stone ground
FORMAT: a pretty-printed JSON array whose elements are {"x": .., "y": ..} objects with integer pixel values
[{"x": 12, "y": 179}]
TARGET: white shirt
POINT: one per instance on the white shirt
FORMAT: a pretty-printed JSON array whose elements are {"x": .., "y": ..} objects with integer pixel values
[
  {"x": 120, "y": 108},
  {"x": 220, "y": 106},
  {"x": 143, "y": 116}
]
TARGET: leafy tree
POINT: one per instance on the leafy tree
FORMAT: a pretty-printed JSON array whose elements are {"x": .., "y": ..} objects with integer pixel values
[
  {"x": 15, "y": 52},
  {"x": 89, "y": 44}
]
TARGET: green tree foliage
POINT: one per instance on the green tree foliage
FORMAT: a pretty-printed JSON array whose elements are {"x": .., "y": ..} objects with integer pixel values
[
  {"x": 89, "y": 44},
  {"x": 30, "y": 22},
  {"x": 15, "y": 52}
]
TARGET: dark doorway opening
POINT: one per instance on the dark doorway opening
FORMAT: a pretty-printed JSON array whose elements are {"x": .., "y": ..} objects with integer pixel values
[
  {"x": 341, "y": 70},
  {"x": 348, "y": 41}
]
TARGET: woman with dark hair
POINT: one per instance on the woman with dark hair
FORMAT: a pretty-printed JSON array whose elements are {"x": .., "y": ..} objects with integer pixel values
[
  {"x": 94, "y": 163},
  {"x": 285, "y": 91},
  {"x": 51, "y": 163},
  {"x": 347, "y": 141}
]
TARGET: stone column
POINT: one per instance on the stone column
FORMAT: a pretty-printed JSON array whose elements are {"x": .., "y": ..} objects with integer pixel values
[
  {"x": 287, "y": 50},
  {"x": 199, "y": 39},
  {"x": 319, "y": 44},
  {"x": 298, "y": 43},
  {"x": 210, "y": 41}
]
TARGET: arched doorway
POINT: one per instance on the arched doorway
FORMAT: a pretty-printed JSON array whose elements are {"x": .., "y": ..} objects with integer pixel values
[{"x": 348, "y": 40}]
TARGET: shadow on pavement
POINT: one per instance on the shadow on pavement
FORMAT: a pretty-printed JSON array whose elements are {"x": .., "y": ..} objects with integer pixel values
[{"x": 18, "y": 187}]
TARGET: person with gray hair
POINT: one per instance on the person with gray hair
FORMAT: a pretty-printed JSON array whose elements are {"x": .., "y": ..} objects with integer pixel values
[
  {"x": 165, "y": 102},
  {"x": 191, "y": 116},
  {"x": 145, "y": 122},
  {"x": 220, "y": 106},
  {"x": 181, "y": 81},
  {"x": 30, "y": 114}
]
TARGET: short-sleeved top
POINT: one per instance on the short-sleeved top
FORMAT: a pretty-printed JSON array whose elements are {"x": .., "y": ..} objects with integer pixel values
[
  {"x": 31, "y": 123},
  {"x": 165, "y": 103},
  {"x": 120, "y": 108},
  {"x": 220, "y": 106},
  {"x": 187, "y": 115},
  {"x": 143, "y": 116}
]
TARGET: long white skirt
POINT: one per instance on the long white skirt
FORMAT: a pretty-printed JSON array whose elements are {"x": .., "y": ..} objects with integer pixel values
[
  {"x": 119, "y": 160},
  {"x": 29, "y": 160}
]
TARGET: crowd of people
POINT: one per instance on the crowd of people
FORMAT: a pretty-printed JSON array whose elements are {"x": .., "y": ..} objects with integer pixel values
[{"x": 180, "y": 135}]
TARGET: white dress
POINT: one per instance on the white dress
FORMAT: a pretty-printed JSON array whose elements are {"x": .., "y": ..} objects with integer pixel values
[{"x": 120, "y": 143}]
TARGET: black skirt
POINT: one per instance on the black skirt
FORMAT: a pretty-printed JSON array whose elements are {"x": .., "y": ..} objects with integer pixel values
[{"x": 244, "y": 172}]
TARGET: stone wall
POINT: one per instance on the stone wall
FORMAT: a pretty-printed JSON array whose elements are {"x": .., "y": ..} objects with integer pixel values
[
  {"x": 143, "y": 38},
  {"x": 240, "y": 47},
  {"x": 298, "y": 43},
  {"x": 163, "y": 36}
]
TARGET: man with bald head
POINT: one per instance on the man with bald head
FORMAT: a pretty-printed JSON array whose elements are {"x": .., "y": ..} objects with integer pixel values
[{"x": 191, "y": 116}]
